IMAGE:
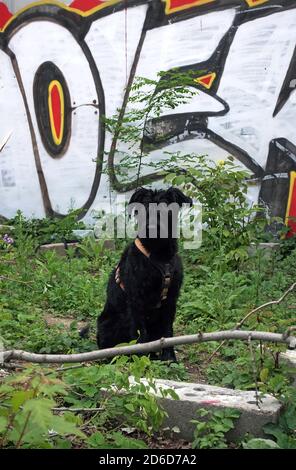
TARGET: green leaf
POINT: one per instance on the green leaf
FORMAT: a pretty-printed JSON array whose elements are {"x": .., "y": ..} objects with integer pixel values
[
  {"x": 264, "y": 373},
  {"x": 130, "y": 407},
  {"x": 260, "y": 444},
  {"x": 64, "y": 428},
  {"x": 40, "y": 412},
  {"x": 97, "y": 440},
  {"x": 179, "y": 180},
  {"x": 123, "y": 442},
  {"x": 3, "y": 423},
  {"x": 63, "y": 444},
  {"x": 19, "y": 398},
  {"x": 172, "y": 393}
]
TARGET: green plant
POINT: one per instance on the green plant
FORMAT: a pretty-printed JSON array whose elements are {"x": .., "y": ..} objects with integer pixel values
[
  {"x": 27, "y": 419},
  {"x": 114, "y": 440},
  {"x": 229, "y": 223},
  {"x": 210, "y": 432},
  {"x": 119, "y": 396},
  {"x": 284, "y": 432},
  {"x": 131, "y": 126},
  {"x": 93, "y": 249},
  {"x": 36, "y": 406},
  {"x": 46, "y": 230},
  {"x": 171, "y": 371}
]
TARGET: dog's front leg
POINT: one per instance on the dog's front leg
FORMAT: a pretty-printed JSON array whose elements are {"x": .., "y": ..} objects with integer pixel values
[
  {"x": 138, "y": 323},
  {"x": 168, "y": 354},
  {"x": 167, "y": 320},
  {"x": 142, "y": 329}
]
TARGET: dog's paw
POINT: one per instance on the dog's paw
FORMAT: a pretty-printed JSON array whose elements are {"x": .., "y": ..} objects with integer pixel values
[
  {"x": 168, "y": 355},
  {"x": 84, "y": 332},
  {"x": 153, "y": 356}
]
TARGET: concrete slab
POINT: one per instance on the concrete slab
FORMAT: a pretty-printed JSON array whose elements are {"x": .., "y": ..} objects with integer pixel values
[
  {"x": 61, "y": 250},
  {"x": 193, "y": 396},
  {"x": 289, "y": 358},
  {"x": 268, "y": 248}
]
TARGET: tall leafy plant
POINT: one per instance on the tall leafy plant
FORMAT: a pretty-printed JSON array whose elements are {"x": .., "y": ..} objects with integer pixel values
[{"x": 229, "y": 225}]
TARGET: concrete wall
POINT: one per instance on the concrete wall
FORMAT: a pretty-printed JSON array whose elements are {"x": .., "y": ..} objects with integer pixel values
[{"x": 243, "y": 54}]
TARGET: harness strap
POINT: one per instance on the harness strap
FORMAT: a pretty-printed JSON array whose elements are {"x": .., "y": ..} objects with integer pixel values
[
  {"x": 117, "y": 278},
  {"x": 165, "y": 271},
  {"x": 166, "y": 282}
]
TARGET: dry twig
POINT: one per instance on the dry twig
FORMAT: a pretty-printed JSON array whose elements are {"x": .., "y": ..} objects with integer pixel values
[{"x": 255, "y": 310}]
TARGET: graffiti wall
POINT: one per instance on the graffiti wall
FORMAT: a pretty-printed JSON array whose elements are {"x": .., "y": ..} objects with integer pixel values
[{"x": 63, "y": 67}]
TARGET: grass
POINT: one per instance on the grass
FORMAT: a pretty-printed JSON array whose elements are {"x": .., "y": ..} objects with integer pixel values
[
  {"x": 43, "y": 285},
  {"x": 37, "y": 286}
]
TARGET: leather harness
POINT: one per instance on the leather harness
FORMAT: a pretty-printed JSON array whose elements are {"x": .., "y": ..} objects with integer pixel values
[{"x": 163, "y": 268}]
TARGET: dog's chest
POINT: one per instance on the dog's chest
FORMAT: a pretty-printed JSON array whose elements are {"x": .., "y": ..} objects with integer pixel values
[
  {"x": 151, "y": 284},
  {"x": 146, "y": 282}
]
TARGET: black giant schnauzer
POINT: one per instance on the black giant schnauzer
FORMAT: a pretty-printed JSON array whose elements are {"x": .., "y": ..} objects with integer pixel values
[{"x": 143, "y": 289}]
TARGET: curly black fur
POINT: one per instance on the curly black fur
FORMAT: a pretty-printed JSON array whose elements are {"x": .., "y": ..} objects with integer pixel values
[{"x": 136, "y": 312}]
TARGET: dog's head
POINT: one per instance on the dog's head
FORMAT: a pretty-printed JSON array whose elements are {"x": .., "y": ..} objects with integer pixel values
[{"x": 156, "y": 211}]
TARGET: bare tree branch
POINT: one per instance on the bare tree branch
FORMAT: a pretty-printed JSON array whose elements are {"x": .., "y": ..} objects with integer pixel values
[
  {"x": 78, "y": 410},
  {"x": 267, "y": 304},
  {"x": 255, "y": 310},
  {"x": 146, "y": 348}
]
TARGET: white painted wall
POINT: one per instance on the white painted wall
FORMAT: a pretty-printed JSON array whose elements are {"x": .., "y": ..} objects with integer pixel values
[{"x": 254, "y": 72}]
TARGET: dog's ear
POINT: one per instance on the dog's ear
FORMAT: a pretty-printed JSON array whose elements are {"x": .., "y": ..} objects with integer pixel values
[
  {"x": 138, "y": 197},
  {"x": 177, "y": 196}
]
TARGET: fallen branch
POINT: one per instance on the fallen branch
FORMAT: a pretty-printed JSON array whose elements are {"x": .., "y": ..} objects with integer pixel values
[
  {"x": 77, "y": 410},
  {"x": 146, "y": 348},
  {"x": 255, "y": 310}
]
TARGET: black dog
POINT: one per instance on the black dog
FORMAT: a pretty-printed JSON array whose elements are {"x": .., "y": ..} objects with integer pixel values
[{"x": 143, "y": 290}]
